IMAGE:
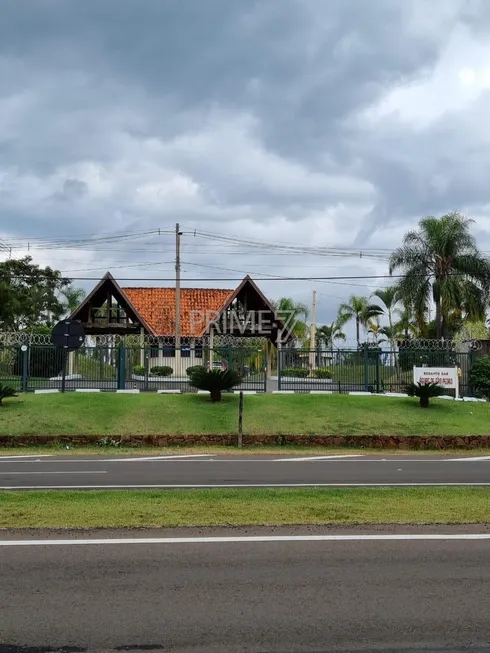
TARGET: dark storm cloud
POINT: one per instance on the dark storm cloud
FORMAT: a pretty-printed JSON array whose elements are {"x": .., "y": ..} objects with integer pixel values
[{"x": 241, "y": 116}]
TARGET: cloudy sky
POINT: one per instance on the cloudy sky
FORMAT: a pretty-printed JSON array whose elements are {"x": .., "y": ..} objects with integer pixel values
[{"x": 315, "y": 123}]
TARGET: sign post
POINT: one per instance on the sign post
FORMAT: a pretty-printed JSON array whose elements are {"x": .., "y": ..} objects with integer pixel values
[
  {"x": 447, "y": 377},
  {"x": 67, "y": 335}
]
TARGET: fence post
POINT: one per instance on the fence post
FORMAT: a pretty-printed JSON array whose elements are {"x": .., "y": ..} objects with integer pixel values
[
  {"x": 279, "y": 365},
  {"x": 240, "y": 420},
  {"x": 378, "y": 355},
  {"x": 121, "y": 367},
  {"x": 366, "y": 370},
  {"x": 25, "y": 366}
]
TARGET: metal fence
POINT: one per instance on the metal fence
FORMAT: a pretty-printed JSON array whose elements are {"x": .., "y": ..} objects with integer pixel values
[
  {"x": 150, "y": 368},
  {"x": 365, "y": 369},
  {"x": 31, "y": 367}
]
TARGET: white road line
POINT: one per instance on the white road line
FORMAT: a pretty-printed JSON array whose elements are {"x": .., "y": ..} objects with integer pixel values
[
  {"x": 151, "y": 458},
  {"x": 24, "y": 456},
  {"x": 48, "y": 473},
  {"x": 314, "y": 458},
  {"x": 467, "y": 459},
  {"x": 222, "y": 486},
  {"x": 252, "y": 539}
]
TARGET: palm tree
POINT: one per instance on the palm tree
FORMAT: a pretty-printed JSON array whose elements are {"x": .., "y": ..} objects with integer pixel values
[
  {"x": 406, "y": 324},
  {"x": 375, "y": 330},
  {"x": 294, "y": 315},
  {"x": 73, "y": 297},
  {"x": 389, "y": 298},
  {"x": 329, "y": 333},
  {"x": 361, "y": 310},
  {"x": 441, "y": 261}
]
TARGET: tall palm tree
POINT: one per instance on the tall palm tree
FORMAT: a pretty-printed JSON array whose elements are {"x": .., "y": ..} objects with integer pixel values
[
  {"x": 72, "y": 297},
  {"x": 360, "y": 310},
  {"x": 376, "y": 331},
  {"x": 441, "y": 261},
  {"x": 389, "y": 298},
  {"x": 294, "y": 315},
  {"x": 329, "y": 333}
]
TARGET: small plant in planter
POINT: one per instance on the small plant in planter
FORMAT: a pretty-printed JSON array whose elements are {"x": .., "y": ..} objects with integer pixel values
[
  {"x": 298, "y": 372},
  {"x": 6, "y": 391},
  {"x": 424, "y": 391},
  {"x": 194, "y": 368},
  {"x": 322, "y": 373},
  {"x": 215, "y": 381},
  {"x": 161, "y": 370}
]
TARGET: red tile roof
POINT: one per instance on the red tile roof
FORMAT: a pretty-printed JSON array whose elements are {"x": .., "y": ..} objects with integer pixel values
[{"x": 157, "y": 307}]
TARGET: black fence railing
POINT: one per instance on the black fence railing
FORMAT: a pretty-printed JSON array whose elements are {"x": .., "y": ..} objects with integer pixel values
[
  {"x": 36, "y": 367},
  {"x": 365, "y": 369}
]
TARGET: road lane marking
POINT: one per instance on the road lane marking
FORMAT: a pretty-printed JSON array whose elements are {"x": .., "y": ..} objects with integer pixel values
[
  {"x": 24, "y": 456},
  {"x": 222, "y": 486},
  {"x": 156, "y": 458},
  {"x": 467, "y": 459},
  {"x": 314, "y": 458},
  {"x": 252, "y": 539},
  {"x": 49, "y": 473}
]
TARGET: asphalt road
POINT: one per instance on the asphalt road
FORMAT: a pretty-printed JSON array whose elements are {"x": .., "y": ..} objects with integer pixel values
[
  {"x": 232, "y": 597},
  {"x": 240, "y": 471}
]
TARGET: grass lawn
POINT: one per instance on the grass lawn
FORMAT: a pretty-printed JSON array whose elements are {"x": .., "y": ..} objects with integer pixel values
[
  {"x": 92, "y": 509},
  {"x": 111, "y": 414}
]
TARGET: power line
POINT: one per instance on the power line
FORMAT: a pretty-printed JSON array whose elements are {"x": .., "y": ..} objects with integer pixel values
[{"x": 282, "y": 278}]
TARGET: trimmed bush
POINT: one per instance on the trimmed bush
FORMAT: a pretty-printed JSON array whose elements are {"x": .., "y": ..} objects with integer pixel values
[
  {"x": 480, "y": 376},
  {"x": 161, "y": 370},
  {"x": 194, "y": 368},
  {"x": 299, "y": 372},
  {"x": 322, "y": 373},
  {"x": 139, "y": 370},
  {"x": 45, "y": 361}
]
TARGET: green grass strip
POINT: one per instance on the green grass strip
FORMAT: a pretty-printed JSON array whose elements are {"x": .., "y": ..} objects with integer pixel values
[
  {"x": 109, "y": 414},
  {"x": 217, "y": 507}
]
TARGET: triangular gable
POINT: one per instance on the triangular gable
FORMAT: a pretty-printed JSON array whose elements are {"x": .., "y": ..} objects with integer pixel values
[
  {"x": 118, "y": 293},
  {"x": 249, "y": 282}
]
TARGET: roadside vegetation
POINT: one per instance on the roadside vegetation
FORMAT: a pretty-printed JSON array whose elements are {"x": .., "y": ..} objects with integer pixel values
[
  {"x": 113, "y": 509},
  {"x": 109, "y": 414}
]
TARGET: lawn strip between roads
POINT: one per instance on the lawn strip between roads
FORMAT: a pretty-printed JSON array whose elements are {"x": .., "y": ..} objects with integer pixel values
[
  {"x": 244, "y": 507},
  {"x": 112, "y": 415}
]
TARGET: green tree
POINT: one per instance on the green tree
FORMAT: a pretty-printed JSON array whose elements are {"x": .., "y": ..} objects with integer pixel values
[
  {"x": 360, "y": 310},
  {"x": 29, "y": 295},
  {"x": 329, "y": 333},
  {"x": 376, "y": 331},
  {"x": 72, "y": 298},
  {"x": 294, "y": 315},
  {"x": 440, "y": 261}
]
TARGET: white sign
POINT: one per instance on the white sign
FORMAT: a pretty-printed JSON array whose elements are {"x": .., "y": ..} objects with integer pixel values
[{"x": 447, "y": 377}]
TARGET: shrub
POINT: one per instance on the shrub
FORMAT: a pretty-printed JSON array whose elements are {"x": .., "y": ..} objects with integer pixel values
[
  {"x": 480, "y": 376},
  {"x": 300, "y": 372},
  {"x": 139, "y": 370},
  {"x": 45, "y": 361},
  {"x": 424, "y": 391},
  {"x": 322, "y": 373},
  {"x": 6, "y": 392},
  {"x": 215, "y": 381},
  {"x": 161, "y": 370},
  {"x": 194, "y": 368}
]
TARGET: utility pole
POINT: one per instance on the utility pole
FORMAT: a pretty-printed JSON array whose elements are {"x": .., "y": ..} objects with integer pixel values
[
  {"x": 313, "y": 332},
  {"x": 178, "y": 234}
]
